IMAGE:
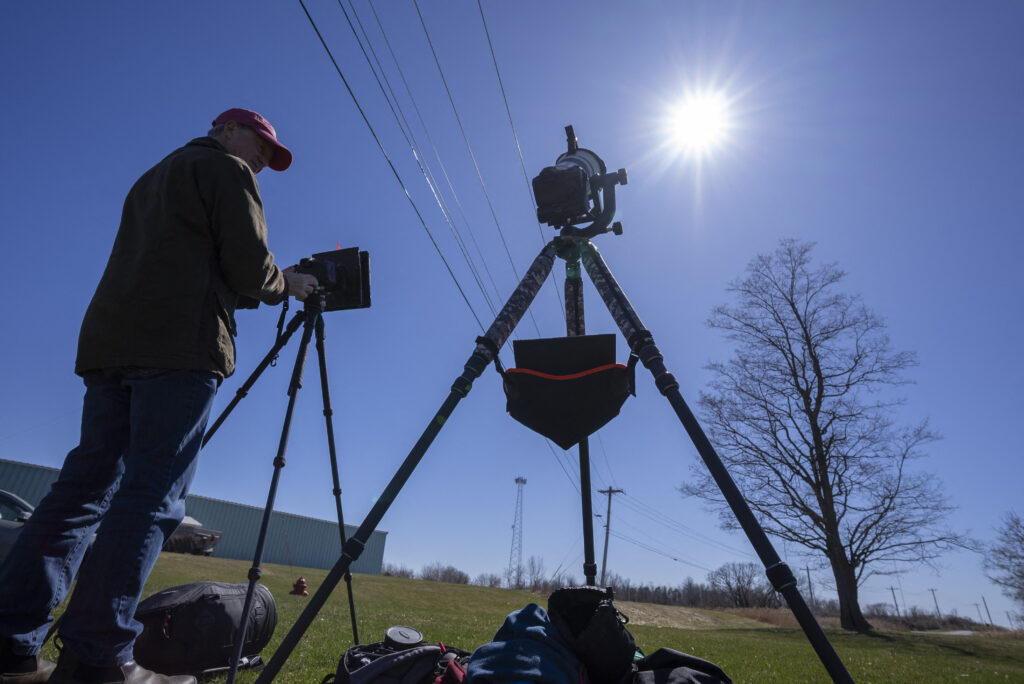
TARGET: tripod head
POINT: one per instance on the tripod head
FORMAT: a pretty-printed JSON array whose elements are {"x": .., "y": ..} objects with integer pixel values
[{"x": 571, "y": 191}]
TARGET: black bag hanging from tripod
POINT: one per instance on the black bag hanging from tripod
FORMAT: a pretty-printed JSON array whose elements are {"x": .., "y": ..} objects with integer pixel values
[
  {"x": 566, "y": 388},
  {"x": 191, "y": 629}
]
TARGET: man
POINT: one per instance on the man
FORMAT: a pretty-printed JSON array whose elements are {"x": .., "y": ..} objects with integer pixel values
[{"x": 156, "y": 342}]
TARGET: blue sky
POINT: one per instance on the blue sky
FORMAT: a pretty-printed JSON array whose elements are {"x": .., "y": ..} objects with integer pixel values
[{"x": 887, "y": 133}]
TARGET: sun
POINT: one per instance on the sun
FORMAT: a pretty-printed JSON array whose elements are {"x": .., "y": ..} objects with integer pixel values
[{"x": 698, "y": 123}]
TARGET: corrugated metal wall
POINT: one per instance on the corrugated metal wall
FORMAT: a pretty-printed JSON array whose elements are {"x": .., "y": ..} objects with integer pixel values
[
  {"x": 30, "y": 482},
  {"x": 291, "y": 539}
]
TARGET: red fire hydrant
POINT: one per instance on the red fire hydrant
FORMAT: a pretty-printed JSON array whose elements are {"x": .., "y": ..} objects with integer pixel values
[{"x": 299, "y": 588}]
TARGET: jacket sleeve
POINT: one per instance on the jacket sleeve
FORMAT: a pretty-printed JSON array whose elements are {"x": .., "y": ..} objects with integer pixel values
[{"x": 239, "y": 231}]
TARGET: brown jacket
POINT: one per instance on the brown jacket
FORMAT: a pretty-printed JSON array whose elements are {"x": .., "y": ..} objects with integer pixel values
[{"x": 192, "y": 238}]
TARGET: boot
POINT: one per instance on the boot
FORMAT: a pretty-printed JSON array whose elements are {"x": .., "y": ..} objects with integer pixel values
[
  {"x": 21, "y": 669},
  {"x": 71, "y": 672}
]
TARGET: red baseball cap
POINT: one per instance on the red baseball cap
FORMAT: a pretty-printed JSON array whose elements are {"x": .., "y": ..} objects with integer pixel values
[{"x": 282, "y": 158}]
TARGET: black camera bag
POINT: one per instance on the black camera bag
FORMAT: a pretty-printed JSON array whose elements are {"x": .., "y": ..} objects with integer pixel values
[
  {"x": 190, "y": 629},
  {"x": 407, "y": 660},
  {"x": 594, "y": 630}
]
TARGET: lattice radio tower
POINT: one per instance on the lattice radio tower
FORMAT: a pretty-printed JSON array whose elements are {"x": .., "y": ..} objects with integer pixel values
[{"x": 515, "y": 556}]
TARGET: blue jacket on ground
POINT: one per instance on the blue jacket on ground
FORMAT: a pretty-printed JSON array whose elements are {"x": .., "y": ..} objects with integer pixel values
[{"x": 526, "y": 649}]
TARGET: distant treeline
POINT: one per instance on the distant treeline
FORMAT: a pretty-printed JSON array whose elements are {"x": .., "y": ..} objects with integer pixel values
[{"x": 733, "y": 585}]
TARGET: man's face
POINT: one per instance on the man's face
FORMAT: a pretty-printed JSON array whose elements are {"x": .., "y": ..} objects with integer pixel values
[{"x": 245, "y": 143}]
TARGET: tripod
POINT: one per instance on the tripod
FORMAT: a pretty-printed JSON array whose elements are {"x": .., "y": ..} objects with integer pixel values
[
  {"x": 641, "y": 342},
  {"x": 311, "y": 319}
]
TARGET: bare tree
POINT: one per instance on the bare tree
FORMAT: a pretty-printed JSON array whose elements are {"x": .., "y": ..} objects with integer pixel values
[
  {"x": 487, "y": 579},
  {"x": 743, "y": 585},
  {"x": 437, "y": 572},
  {"x": 392, "y": 570},
  {"x": 1004, "y": 562},
  {"x": 802, "y": 420},
  {"x": 535, "y": 573}
]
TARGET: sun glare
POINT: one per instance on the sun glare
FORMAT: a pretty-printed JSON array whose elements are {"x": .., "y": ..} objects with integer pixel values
[{"x": 699, "y": 123}]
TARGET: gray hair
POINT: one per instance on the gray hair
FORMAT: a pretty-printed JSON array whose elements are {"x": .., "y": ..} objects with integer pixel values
[{"x": 216, "y": 130}]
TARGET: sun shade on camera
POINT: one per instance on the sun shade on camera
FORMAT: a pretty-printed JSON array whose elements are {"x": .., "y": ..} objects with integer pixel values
[{"x": 566, "y": 388}]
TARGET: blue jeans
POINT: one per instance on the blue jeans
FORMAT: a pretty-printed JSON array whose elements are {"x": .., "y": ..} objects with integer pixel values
[{"x": 126, "y": 481}]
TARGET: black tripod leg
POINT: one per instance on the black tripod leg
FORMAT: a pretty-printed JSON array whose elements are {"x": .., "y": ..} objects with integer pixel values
[
  {"x": 251, "y": 380},
  {"x": 589, "y": 564},
  {"x": 642, "y": 343},
  {"x": 486, "y": 349},
  {"x": 279, "y": 462},
  {"x": 575, "y": 325},
  {"x": 328, "y": 414}
]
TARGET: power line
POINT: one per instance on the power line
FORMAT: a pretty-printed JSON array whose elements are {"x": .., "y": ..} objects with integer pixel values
[
  {"x": 607, "y": 464},
  {"x": 573, "y": 480},
  {"x": 657, "y": 516},
  {"x": 515, "y": 137},
  {"x": 398, "y": 177},
  {"x": 410, "y": 139},
  {"x": 571, "y": 548},
  {"x": 472, "y": 156},
  {"x": 659, "y": 552},
  {"x": 433, "y": 146}
]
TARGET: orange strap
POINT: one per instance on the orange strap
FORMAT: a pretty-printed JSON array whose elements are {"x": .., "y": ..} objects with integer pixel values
[{"x": 573, "y": 376}]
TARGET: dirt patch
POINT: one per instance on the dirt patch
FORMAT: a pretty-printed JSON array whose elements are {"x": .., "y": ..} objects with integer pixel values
[
  {"x": 780, "y": 617},
  {"x": 682, "y": 617}
]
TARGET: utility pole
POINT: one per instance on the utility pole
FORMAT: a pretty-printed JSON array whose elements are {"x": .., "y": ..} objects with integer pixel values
[
  {"x": 938, "y": 613},
  {"x": 987, "y": 611},
  {"x": 980, "y": 619},
  {"x": 515, "y": 556},
  {"x": 893, "y": 590},
  {"x": 810, "y": 586},
  {"x": 607, "y": 527}
]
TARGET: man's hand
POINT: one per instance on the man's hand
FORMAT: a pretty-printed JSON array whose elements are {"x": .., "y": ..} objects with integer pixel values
[{"x": 300, "y": 285}]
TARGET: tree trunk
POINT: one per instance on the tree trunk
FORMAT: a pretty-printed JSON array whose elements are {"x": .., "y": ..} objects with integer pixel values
[{"x": 850, "y": 616}]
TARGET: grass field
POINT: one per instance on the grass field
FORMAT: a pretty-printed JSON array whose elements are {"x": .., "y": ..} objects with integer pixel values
[{"x": 467, "y": 616}]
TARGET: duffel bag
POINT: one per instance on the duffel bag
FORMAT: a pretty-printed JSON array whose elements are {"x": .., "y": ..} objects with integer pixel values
[{"x": 191, "y": 629}]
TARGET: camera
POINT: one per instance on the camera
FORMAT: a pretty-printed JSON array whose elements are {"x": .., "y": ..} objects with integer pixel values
[
  {"x": 570, "y": 192},
  {"x": 343, "y": 276}
]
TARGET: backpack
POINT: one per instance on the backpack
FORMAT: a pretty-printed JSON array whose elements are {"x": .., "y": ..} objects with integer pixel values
[
  {"x": 191, "y": 629},
  {"x": 402, "y": 658},
  {"x": 596, "y": 633},
  {"x": 594, "y": 630}
]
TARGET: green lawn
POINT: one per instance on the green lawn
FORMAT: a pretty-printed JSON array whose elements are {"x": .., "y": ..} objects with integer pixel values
[{"x": 467, "y": 616}]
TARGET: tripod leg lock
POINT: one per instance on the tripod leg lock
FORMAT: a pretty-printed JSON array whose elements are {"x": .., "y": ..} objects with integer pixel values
[
  {"x": 255, "y": 574},
  {"x": 780, "y": 576},
  {"x": 353, "y": 548},
  {"x": 643, "y": 346},
  {"x": 473, "y": 369}
]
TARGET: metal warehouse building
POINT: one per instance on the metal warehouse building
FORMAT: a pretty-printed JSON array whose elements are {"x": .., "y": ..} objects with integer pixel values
[{"x": 291, "y": 539}]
